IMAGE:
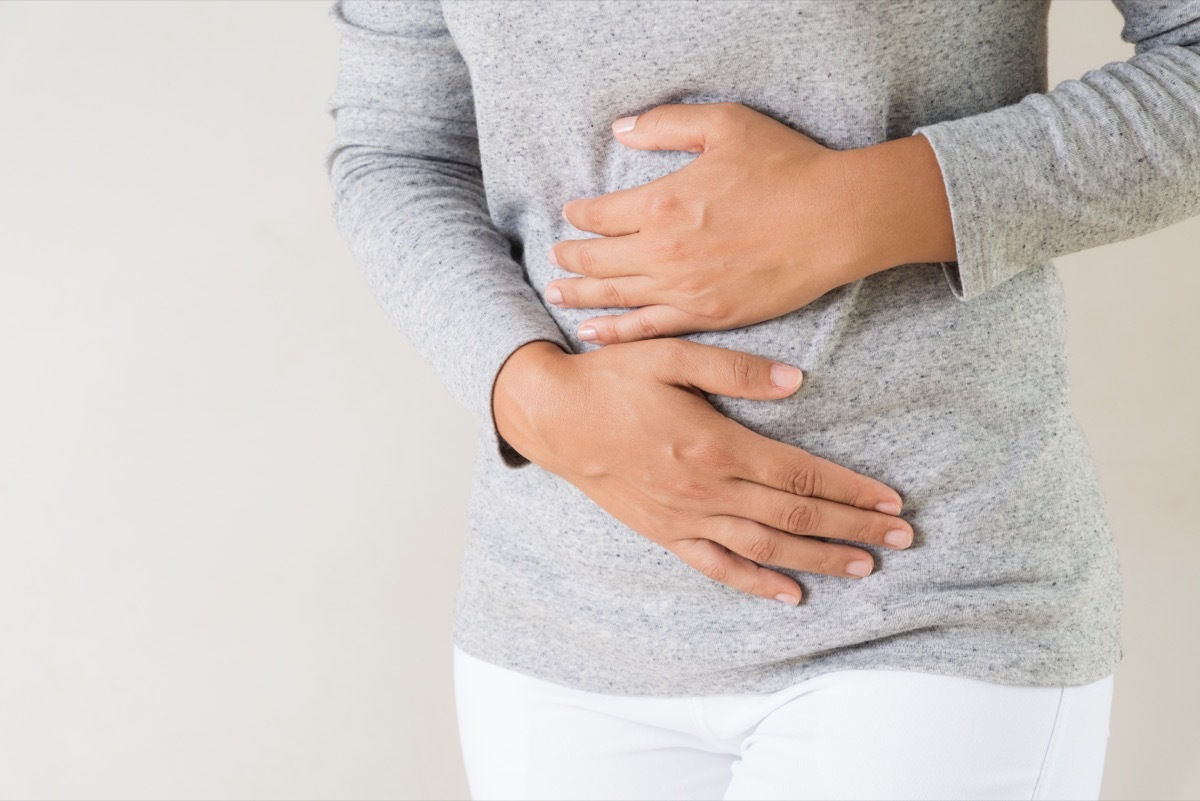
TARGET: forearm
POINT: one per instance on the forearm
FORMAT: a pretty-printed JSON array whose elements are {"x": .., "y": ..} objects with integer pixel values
[{"x": 901, "y": 208}]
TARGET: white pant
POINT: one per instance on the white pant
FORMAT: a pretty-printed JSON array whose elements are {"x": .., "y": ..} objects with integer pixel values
[{"x": 850, "y": 734}]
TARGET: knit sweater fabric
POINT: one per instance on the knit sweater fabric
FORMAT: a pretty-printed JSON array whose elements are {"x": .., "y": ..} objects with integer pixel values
[{"x": 462, "y": 128}]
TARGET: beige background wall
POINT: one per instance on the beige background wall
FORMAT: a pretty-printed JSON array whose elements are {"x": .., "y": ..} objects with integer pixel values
[{"x": 231, "y": 497}]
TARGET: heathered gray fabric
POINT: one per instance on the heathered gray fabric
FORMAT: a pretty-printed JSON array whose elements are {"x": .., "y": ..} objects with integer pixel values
[{"x": 954, "y": 392}]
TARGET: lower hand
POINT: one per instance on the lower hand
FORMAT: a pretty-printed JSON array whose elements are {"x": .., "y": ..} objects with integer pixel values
[
  {"x": 764, "y": 221},
  {"x": 666, "y": 463}
]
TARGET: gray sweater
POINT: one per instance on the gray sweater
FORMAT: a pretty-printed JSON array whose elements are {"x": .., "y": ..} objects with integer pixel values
[{"x": 947, "y": 382}]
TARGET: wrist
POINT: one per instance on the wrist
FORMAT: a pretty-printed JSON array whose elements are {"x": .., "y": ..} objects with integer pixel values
[
  {"x": 900, "y": 204},
  {"x": 521, "y": 388}
]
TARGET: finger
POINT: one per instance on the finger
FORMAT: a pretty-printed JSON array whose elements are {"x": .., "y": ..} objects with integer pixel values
[
  {"x": 722, "y": 371},
  {"x": 723, "y": 566},
  {"x": 648, "y": 322},
  {"x": 695, "y": 127},
  {"x": 776, "y": 464},
  {"x": 586, "y": 293},
  {"x": 817, "y": 517},
  {"x": 600, "y": 256},
  {"x": 770, "y": 546},
  {"x": 615, "y": 213}
]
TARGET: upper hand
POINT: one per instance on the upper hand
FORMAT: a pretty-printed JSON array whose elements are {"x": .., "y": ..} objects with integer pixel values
[{"x": 762, "y": 222}]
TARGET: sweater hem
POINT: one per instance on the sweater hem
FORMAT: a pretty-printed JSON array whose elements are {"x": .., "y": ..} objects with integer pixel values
[{"x": 1076, "y": 668}]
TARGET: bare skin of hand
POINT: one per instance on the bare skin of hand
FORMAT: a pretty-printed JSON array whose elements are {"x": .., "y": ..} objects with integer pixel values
[
  {"x": 666, "y": 463},
  {"x": 762, "y": 222}
]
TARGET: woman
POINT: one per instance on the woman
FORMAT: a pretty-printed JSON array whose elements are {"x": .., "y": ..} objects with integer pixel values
[{"x": 780, "y": 493}]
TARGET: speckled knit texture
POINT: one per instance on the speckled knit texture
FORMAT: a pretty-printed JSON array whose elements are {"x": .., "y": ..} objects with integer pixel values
[{"x": 947, "y": 382}]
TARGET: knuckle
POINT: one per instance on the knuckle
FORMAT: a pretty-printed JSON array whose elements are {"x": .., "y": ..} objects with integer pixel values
[
  {"x": 743, "y": 371},
  {"x": 801, "y": 517},
  {"x": 817, "y": 484},
  {"x": 831, "y": 563},
  {"x": 586, "y": 256},
  {"x": 759, "y": 585},
  {"x": 708, "y": 305},
  {"x": 660, "y": 121},
  {"x": 662, "y": 207},
  {"x": 611, "y": 292},
  {"x": 594, "y": 216},
  {"x": 714, "y": 566},
  {"x": 657, "y": 123},
  {"x": 696, "y": 489},
  {"x": 762, "y": 549},
  {"x": 801, "y": 479},
  {"x": 703, "y": 448},
  {"x": 867, "y": 531},
  {"x": 854, "y": 494},
  {"x": 645, "y": 327}
]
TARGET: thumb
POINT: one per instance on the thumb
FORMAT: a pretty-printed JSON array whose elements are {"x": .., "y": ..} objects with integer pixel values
[
  {"x": 695, "y": 127},
  {"x": 721, "y": 371}
]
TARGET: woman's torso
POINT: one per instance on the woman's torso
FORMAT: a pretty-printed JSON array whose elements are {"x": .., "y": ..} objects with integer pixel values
[{"x": 963, "y": 407}]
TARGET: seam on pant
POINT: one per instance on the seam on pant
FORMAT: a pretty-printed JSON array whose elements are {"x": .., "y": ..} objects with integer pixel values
[{"x": 1050, "y": 744}]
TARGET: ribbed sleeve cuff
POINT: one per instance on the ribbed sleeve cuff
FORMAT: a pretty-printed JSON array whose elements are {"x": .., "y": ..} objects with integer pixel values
[
  {"x": 1107, "y": 157},
  {"x": 495, "y": 360},
  {"x": 504, "y": 319},
  {"x": 982, "y": 168}
]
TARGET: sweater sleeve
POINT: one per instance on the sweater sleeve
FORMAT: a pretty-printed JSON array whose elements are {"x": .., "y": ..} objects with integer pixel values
[
  {"x": 1111, "y": 156},
  {"x": 408, "y": 198}
]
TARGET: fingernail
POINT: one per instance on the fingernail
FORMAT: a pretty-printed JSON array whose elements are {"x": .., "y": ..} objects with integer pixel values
[
  {"x": 888, "y": 508},
  {"x": 587, "y": 333},
  {"x": 784, "y": 376},
  {"x": 898, "y": 538},
  {"x": 859, "y": 568},
  {"x": 553, "y": 295},
  {"x": 790, "y": 600},
  {"x": 624, "y": 124},
  {"x": 550, "y": 258},
  {"x": 563, "y": 213}
]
